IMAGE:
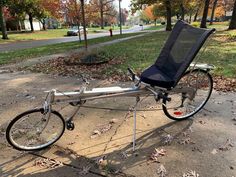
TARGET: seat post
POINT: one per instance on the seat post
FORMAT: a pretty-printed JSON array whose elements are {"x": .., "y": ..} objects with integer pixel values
[{"x": 135, "y": 115}]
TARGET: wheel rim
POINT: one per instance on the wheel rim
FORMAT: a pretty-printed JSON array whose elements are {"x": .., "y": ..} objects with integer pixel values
[
  {"x": 32, "y": 131},
  {"x": 201, "y": 84}
]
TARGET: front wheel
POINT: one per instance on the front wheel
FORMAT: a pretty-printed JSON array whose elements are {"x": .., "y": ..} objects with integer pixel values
[
  {"x": 35, "y": 129},
  {"x": 185, "y": 104}
]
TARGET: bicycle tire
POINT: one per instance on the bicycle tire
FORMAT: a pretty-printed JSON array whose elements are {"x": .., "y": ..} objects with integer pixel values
[
  {"x": 12, "y": 141},
  {"x": 178, "y": 115}
]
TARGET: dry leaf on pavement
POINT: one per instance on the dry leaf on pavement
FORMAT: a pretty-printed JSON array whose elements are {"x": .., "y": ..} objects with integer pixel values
[
  {"x": 85, "y": 170},
  {"x": 225, "y": 147},
  {"x": 161, "y": 171},
  {"x": 157, "y": 153},
  {"x": 191, "y": 174},
  {"x": 48, "y": 163},
  {"x": 186, "y": 141},
  {"x": 167, "y": 140}
]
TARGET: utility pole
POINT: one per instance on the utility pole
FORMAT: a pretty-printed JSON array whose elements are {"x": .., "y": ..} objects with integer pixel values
[
  {"x": 84, "y": 24},
  {"x": 120, "y": 16}
]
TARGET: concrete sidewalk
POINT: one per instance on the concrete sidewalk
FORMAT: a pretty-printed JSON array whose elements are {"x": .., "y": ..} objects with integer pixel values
[{"x": 195, "y": 145}]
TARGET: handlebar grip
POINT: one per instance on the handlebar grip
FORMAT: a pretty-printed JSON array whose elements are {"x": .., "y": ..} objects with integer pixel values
[{"x": 132, "y": 74}]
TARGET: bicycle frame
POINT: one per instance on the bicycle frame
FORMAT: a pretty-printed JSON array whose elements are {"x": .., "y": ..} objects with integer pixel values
[{"x": 139, "y": 89}]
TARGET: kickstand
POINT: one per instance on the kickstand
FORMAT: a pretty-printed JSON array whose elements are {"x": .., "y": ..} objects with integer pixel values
[{"x": 134, "y": 131}]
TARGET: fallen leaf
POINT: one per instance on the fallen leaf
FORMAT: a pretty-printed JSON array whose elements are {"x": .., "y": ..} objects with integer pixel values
[
  {"x": 225, "y": 147},
  {"x": 124, "y": 155},
  {"x": 167, "y": 140},
  {"x": 156, "y": 154},
  {"x": 202, "y": 122},
  {"x": 48, "y": 163},
  {"x": 100, "y": 160},
  {"x": 214, "y": 151},
  {"x": 186, "y": 141},
  {"x": 191, "y": 174},
  {"x": 161, "y": 171},
  {"x": 113, "y": 121},
  {"x": 85, "y": 170}
]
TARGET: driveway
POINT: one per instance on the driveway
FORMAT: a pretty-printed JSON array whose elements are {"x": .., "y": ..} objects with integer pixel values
[
  {"x": 39, "y": 43},
  {"x": 203, "y": 145}
]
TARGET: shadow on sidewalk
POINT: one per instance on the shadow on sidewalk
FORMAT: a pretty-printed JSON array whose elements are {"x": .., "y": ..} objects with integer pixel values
[{"x": 113, "y": 163}]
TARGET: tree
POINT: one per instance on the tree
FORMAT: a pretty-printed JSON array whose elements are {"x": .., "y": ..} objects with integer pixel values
[
  {"x": 168, "y": 15},
  {"x": 46, "y": 9},
  {"x": 213, "y": 11},
  {"x": 138, "y": 4},
  {"x": 39, "y": 9},
  {"x": 84, "y": 23},
  {"x": 104, "y": 7},
  {"x": 22, "y": 7},
  {"x": 2, "y": 20},
  {"x": 232, "y": 24},
  {"x": 151, "y": 13},
  {"x": 205, "y": 13}
]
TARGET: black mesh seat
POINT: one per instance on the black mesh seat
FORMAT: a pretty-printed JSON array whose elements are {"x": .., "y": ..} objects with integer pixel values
[{"x": 179, "y": 51}]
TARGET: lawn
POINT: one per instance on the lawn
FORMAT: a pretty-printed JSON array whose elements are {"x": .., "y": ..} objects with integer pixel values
[
  {"x": 16, "y": 56},
  {"x": 49, "y": 34},
  {"x": 37, "y": 35},
  {"x": 220, "y": 26},
  {"x": 157, "y": 27},
  {"x": 141, "y": 52}
]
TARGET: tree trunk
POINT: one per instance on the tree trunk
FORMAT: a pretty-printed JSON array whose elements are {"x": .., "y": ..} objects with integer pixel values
[
  {"x": 155, "y": 22},
  {"x": 182, "y": 11},
  {"x": 44, "y": 24},
  {"x": 190, "y": 18},
  {"x": 78, "y": 19},
  {"x": 101, "y": 14},
  {"x": 31, "y": 22},
  {"x": 196, "y": 14},
  {"x": 168, "y": 15},
  {"x": 19, "y": 24},
  {"x": 232, "y": 24},
  {"x": 3, "y": 23},
  {"x": 213, "y": 12},
  {"x": 205, "y": 13},
  {"x": 84, "y": 24}
]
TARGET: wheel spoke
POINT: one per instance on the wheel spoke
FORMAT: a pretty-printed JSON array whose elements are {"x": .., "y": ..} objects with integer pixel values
[
  {"x": 31, "y": 131},
  {"x": 202, "y": 84}
]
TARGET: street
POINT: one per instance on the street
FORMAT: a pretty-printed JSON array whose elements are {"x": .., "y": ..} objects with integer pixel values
[{"x": 38, "y": 43}]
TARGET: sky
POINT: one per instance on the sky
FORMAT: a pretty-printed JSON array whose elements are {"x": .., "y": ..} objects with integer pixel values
[{"x": 124, "y": 4}]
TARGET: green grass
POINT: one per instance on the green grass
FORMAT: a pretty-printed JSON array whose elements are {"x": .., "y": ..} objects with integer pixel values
[
  {"x": 106, "y": 28},
  {"x": 141, "y": 52},
  {"x": 37, "y": 35},
  {"x": 48, "y": 34},
  {"x": 219, "y": 26},
  {"x": 157, "y": 27},
  {"x": 16, "y": 56}
]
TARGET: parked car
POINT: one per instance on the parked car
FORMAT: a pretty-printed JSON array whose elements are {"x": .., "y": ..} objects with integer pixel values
[{"x": 74, "y": 31}]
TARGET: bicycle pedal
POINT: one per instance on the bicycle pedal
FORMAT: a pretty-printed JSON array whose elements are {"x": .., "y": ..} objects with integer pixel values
[{"x": 70, "y": 126}]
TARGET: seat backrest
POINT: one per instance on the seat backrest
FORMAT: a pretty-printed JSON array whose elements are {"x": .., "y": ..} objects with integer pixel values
[{"x": 182, "y": 46}]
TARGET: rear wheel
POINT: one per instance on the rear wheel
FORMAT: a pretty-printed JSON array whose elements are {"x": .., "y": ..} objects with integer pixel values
[
  {"x": 185, "y": 104},
  {"x": 35, "y": 130}
]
